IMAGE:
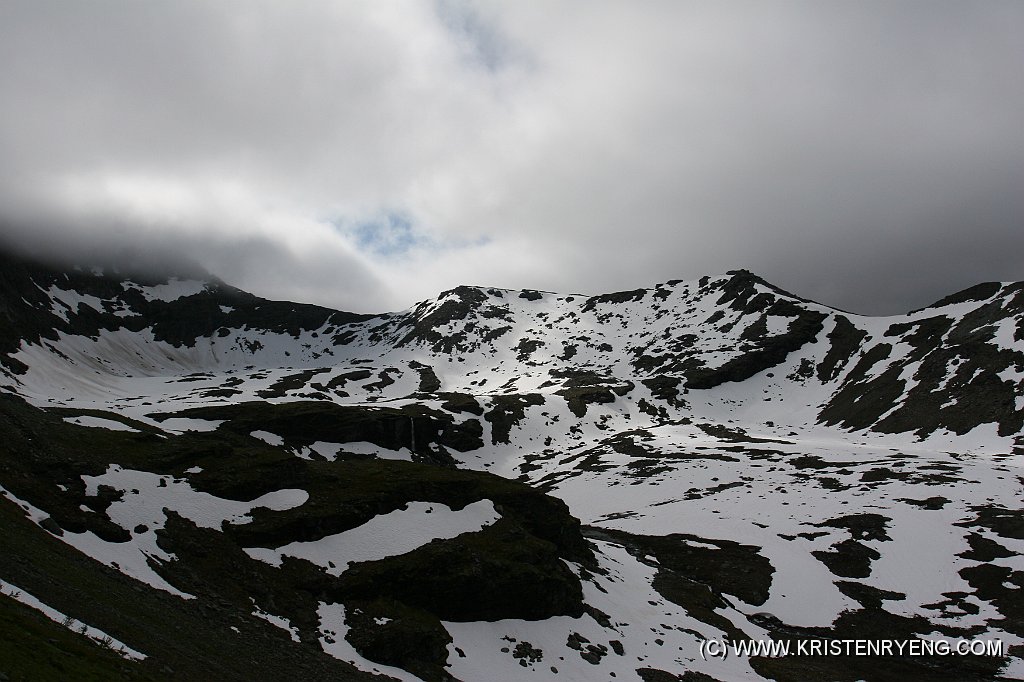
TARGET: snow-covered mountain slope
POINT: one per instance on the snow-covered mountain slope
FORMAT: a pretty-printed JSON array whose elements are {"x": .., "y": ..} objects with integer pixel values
[{"x": 745, "y": 463}]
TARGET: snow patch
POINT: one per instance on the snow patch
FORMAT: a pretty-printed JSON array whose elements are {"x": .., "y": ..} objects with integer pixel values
[
  {"x": 99, "y": 423},
  {"x": 277, "y": 621},
  {"x": 268, "y": 438},
  {"x": 333, "y": 629},
  {"x": 398, "y": 532},
  {"x": 95, "y": 634}
]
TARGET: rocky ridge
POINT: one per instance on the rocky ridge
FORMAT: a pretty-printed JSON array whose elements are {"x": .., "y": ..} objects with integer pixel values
[{"x": 745, "y": 463}]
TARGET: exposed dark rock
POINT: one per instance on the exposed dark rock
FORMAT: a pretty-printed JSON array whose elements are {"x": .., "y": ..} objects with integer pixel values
[
  {"x": 612, "y": 299},
  {"x": 727, "y": 567},
  {"x": 768, "y": 353},
  {"x": 389, "y": 632},
  {"x": 979, "y": 292},
  {"x": 499, "y": 572},
  {"x": 849, "y": 559},
  {"x": 845, "y": 340},
  {"x": 429, "y": 383},
  {"x": 507, "y": 411}
]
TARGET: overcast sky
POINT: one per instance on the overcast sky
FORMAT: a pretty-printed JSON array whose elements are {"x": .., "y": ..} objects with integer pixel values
[{"x": 366, "y": 155}]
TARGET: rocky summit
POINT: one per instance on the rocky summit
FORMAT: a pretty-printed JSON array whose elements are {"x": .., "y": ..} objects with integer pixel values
[{"x": 197, "y": 483}]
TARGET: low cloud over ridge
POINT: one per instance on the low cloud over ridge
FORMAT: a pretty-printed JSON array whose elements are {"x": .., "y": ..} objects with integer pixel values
[{"x": 365, "y": 156}]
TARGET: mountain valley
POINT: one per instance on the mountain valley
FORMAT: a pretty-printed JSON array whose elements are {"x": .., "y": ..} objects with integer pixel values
[{"x": 503, "y": 485}]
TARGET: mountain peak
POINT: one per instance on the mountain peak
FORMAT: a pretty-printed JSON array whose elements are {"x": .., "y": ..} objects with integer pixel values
[{"x": 267, "y": 473}]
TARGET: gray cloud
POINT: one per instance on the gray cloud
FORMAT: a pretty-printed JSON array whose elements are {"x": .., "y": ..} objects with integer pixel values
[{"x": 867, "y": 155}]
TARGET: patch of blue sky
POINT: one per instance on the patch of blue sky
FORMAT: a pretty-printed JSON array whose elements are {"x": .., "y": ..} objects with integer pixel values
[
  {"x": 483, "y": 42},
  {"x": 394, "y": 235},
  {"x": 391, "y": 235}
]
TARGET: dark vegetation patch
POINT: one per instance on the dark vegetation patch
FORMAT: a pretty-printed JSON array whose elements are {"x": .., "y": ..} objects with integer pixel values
[
  {"x": 860, "y": 402},
  {"x": 817, "y": 463},
  {"x": 579, "y": 397},
  {"x": 695, "y": 576},
  {"x": 726, "y": 568},
  {"x": 955, "y": 605},
  {"x": 625, "y": 442},
  {"x": 956, "y": 387},
  {"x": 670, "y": 363},
  {"x": 979, "y": 292},
  {"x": 489, "y": 335},
  {"x": 1001, "y": 586},
  {"x": 507, "y": 411},
  {"x": 665, "y": 388},
  {"x": 502, "y": 571},
  {"x": 461, "y": 402},
  {"x": 845, "y": 340},
  {"x": 527, "y": 654},
  {"x": 874, "y": 624},
  {"x": 589, "y": 460},
  {"x": 527, "y": 347},
  {"x": 698, "y": 493},
  {"x": 577, "y": 378},
  {"x": 740, "y": 288},
  {"x": 591, "y": 653},
  {"x": 861, "y": 526},
  {"x": 869, "y": 597},
  {"x": 384, "y": 379},
  {"x": 389, "y": 632},
  {"x": 25, "y": 309},
  {"x": 803, "y": 372},
  {"x": 533, "y": 461},
  {"x": 768, "y": 351},
  {"x": 656, "y": 675},
  {"x": 646, "y": 468},
  {"x": 338, "y": 382},
  {"x": 498, "y": 572},
  {"x": 182, "y": 639},
  {"x": 425, "y": 432},
  {"x": 33, "y": 647},
  {"x": 512, "y": 569},
  {"x": 462, "y": 304},
  {"x": 348, "y": 494},
  {"x": 758, "y": 329},
  {"x": 292, "y": 382},
  {"x": 878, "y": 475},
  {"x": 715, "y": 317},
  {"x": 805, "y": 536},
  {"x": 984, "y": 549},
  {"x": 849, "y": 559},
  {"x": 613, "y": 299},
  {"x": 221, "y": 393},
  {"x": 809, "y": 462},
  {"x": 102, "y": 414},
  {"x": 661, "y": 293},
  {"x": 188, "y": 378},
  {"x": 1007, "y": 523},
  {"x": 734, "y": 434},
  {"x": 933, "y": 503}
]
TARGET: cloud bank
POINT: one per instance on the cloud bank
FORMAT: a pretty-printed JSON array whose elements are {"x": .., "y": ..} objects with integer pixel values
[{"x": 367, "y": 155}]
